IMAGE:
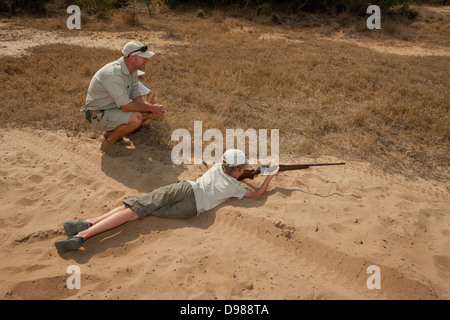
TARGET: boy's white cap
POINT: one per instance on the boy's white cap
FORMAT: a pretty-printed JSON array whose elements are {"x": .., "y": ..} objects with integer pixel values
[{"x": 234, "y": 157}]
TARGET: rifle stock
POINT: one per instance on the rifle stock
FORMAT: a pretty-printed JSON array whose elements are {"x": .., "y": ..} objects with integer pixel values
[{"x": 250, "y": 174}]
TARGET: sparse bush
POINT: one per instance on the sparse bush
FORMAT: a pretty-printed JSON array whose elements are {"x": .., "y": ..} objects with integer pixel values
[
  {"x": 23, "y": 6},
  {"x": 338, "y": 6},
  {"x": 275, "y": 18},
  {"x": 132, "y": 8},
  {"x": 264, "y": 9},
  {"x": 97, "y": 7},
  {"x": 408, "y": 12},
  {"x": 4, "y": 6},
  {"x": 171, "y": 3},
  {"x": 119, "y": 3},
  {"x": 199, "y": 13}
]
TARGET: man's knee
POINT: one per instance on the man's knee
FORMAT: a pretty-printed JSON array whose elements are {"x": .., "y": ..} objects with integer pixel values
[{"x": 135, "y": 119}]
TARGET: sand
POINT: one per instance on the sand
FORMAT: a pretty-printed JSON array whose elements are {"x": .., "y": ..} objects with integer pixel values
[{"x": 313, "y": 235}]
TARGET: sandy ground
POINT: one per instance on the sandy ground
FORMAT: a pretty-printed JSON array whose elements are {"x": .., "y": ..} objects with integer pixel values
[{"x": 312, "y": 236}]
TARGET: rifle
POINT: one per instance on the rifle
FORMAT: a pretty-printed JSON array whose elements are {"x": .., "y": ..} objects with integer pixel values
[{"x": 250, "y": 174}]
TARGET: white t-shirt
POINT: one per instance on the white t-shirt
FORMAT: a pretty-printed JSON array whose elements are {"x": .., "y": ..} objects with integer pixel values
[{"x": 214, "y": 187}]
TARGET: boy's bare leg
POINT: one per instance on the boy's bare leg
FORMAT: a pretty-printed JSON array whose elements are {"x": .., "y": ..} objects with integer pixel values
[
  {"x": 106, "y": 215},
  {"x": 109, "y": 221},
  {"x": 106, "y": 222}
]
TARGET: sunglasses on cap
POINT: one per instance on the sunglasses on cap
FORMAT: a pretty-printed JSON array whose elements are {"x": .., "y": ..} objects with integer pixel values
[{"x": 142, "y": 49}]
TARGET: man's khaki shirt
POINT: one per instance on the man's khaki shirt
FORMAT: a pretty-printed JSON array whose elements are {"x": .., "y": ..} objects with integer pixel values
[{"x": 112, "y": 87}]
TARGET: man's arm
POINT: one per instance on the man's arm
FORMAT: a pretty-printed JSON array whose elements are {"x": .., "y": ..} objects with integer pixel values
[
  {"x": 139, "y": 105},
  {"x": 140, "y": 99}
]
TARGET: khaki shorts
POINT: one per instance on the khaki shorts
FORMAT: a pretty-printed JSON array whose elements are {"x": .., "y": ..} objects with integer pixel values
[
  {"x": 175, "y": 201},
  {"x": 110, "y": 119}
]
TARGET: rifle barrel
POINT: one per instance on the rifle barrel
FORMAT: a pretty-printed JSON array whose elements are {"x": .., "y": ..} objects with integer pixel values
[{"x": 286, "y": 167}]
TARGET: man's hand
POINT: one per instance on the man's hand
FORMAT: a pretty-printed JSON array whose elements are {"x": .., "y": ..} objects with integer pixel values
[{"x": 157, "y": 110}]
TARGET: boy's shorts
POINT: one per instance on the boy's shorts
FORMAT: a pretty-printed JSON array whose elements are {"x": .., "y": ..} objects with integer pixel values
[
  {"x": 176, "y": 201},
  {"x": 110, "y": 119}
]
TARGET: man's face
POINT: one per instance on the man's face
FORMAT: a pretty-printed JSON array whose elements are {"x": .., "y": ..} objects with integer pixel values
[{"x": 139, "y": 62}]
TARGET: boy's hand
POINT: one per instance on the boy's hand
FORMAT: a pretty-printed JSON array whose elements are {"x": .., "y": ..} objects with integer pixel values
[
  {"x": 276, "y": 171},
  {"x": 269, "y": 170},
  {"x": 273, "y": 173}
]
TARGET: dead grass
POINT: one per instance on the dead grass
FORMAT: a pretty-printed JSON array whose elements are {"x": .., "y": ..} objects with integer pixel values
[{"x": 325, "y": 97}]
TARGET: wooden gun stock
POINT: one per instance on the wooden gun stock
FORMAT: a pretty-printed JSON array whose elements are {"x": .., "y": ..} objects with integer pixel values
[{"x": 250, "y": 174}]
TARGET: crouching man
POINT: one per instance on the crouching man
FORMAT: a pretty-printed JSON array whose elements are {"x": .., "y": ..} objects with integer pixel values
[{"x": 114, "y": 103}]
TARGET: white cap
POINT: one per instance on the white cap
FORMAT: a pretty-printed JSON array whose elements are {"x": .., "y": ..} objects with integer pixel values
[
  {"x": 133, "y": 48},
  {"x": 234, "y": 157}
]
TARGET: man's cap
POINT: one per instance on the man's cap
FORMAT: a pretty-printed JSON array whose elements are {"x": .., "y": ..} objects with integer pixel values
[
  {"x": 234, "y": 157},
  {"x": 133, "y": 48}
]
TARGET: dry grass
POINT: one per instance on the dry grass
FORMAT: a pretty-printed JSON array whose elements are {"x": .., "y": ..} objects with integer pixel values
[{"x": 325, "y": 97}]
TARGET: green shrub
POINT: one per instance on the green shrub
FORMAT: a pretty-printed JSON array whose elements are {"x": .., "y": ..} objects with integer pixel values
[
  {"x": 97, "y": 7},
  {"x": 264, "y": 9},
  {"x": 200, "y": 13},
  {"x": 25, "y": 6}
]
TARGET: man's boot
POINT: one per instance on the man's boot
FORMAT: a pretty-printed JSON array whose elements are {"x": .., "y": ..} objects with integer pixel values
[
  {"x": 114, "y": 149},
  {"x": 121, "y": 140}
]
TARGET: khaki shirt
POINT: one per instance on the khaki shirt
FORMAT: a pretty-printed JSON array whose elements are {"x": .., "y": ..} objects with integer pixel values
[
  {"x": 214, "y": 187},
  {"x": 112, "y": 87}
]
